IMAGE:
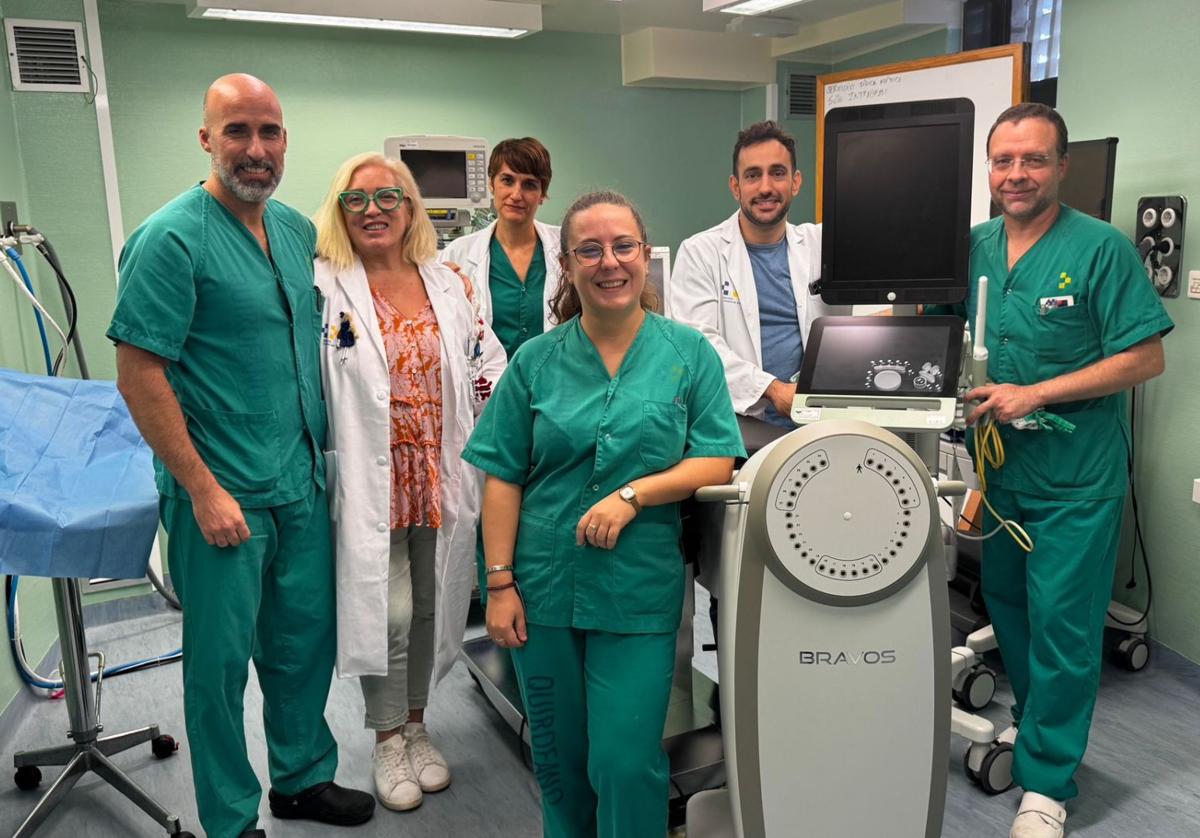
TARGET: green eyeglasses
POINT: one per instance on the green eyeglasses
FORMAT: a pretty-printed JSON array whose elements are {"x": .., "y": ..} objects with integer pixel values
[
  {"x": 591, "y": 254},
  {"x": 357, "y": 201}
]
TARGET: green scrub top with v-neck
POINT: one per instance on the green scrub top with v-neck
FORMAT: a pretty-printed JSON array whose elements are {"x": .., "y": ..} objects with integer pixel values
[
  {"x": 1079, "y": 295},
  {"x": 242, "y": 332},
  {"x": 517, "y": 307},
  {"x": 569, "y": 434}
]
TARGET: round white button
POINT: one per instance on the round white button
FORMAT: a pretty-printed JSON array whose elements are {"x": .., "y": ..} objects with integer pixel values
[
  {"x": 846, "y": 516},
  {"x": 888, "y": 380},
  {"x": 596, "y": 487},
  {"x": 381, "y": 460},
  {"x": 381, "y": 395},
  {"x": 381, "y": 527}
]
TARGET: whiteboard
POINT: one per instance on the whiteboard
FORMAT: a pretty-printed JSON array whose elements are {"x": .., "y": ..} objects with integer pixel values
[{"x": 993, "y": 79}]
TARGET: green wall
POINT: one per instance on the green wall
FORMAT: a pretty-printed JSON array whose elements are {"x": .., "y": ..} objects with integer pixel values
[
  {"x": 941, "y": 42},
  {"x": 19, "y": 349},
  {"x": 343, "y": 92},
  {"x": 17, "y": 333},
  {"x": 59, "y": 157},
  {"x": 1100, "y": 95}
]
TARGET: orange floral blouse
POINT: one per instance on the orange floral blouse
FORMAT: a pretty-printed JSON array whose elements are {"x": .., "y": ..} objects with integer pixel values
[{"x": 414, "y": 359}]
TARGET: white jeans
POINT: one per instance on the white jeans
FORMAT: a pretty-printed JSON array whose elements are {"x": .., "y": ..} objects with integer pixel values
[{"x": 411, "y": 594}]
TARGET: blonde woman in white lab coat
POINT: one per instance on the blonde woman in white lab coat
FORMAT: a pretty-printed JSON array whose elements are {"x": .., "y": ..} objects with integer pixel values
[{"x": 406, "y": 363}]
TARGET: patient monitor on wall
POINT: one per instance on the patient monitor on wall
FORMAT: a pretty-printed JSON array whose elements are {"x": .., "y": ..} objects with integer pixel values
[{"x": 451, "y": 173}]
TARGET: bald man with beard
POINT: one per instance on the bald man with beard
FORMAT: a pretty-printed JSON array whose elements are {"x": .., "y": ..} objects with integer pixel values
[{"x": 217, "y": 331}]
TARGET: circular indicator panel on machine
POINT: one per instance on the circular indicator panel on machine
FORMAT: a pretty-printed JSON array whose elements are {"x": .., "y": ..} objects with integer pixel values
[{"x": 849, "y": 515}]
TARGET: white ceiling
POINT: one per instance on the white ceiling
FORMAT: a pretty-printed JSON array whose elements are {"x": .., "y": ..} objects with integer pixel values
[
  {"x": 624, "y": 16},
  {"x": 816, "y": 30}
]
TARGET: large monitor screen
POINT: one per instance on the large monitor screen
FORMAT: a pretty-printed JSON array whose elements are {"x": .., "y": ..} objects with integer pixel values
[
  {"x": 882, "y": 356},
  {"x": 897, "y": 192},
  {"x": 1089, "y": 183},
  {"x": 439, "y": 174}
]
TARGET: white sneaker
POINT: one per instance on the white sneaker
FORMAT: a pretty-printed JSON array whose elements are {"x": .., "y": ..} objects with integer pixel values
[
  {"x": 395, "y": 783},
  {"x": 1039, "y": 817},
  {"x": 428, "y": 764}
]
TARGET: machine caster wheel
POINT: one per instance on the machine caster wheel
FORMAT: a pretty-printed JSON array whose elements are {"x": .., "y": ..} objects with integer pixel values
[
  {"x": 164, "y": 746},
  {"x": 28, "y": 777},
  {"x": 977, "y": 691},
  {"x": 1132, "y": 653},
  {"x": 972, "y": 775},
  {"x": 995, "y": 772}
]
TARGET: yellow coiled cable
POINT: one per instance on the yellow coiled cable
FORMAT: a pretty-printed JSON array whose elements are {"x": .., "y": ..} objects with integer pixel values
[{"x": 989, "y": 451}]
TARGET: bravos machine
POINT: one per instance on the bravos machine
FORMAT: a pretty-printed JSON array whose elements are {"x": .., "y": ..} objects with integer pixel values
[{"x": 835, "y": 667}]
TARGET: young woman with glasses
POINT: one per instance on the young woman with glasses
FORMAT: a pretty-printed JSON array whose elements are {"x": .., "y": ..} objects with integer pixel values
[{"x": 596, "y": 432}]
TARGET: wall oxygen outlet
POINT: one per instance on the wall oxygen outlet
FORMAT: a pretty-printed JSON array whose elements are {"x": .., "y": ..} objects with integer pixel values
[
  {"x": 8, "y": 215},
  {"x": 1159, "y": 238}
]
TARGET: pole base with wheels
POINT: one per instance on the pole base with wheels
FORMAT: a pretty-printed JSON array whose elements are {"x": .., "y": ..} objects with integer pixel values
[{"x": 89, "y": 751}]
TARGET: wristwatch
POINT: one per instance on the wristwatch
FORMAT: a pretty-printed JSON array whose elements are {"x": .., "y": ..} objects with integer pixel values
[{"x": 629, "y": 494}]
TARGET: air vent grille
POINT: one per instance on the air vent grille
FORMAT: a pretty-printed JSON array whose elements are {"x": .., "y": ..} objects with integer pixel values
[
  {"x": 802, "y": 95},
  {"x": 46, "y": 55}
]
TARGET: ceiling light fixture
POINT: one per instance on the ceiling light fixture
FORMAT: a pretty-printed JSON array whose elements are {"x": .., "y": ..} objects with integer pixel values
[
  {"x": 477, "y": 18},
  {"x": 363, "y": 23},
  {"x": 747, "y": 7}
]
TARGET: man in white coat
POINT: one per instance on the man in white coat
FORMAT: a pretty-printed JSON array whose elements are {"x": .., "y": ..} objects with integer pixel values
[{"x": 745, "y": 282}]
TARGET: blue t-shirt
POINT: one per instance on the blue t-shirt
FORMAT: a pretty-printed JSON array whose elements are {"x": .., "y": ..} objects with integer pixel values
[{"x": 782, "y": 346}]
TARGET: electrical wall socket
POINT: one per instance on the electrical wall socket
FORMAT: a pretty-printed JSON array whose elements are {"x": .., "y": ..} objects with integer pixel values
[
  {"x": 8, "y": 214},
  {"x": 1194, "y": 285}
]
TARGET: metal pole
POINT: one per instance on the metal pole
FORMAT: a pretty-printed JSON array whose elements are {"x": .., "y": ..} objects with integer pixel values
[{"x": 77, "y": 678}]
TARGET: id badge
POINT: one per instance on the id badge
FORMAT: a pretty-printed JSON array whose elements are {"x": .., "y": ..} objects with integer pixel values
[{"x": 1047, "y": 304}]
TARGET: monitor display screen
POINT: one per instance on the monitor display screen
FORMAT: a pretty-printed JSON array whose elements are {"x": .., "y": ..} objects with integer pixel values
[
  {"x": 1089, "y": 183},
  {"x": 439, "y": 174},
  {"x": 894, "y": 185},
  {"x": 883, "y": 356},
  {"x": 897, "y": 202}
]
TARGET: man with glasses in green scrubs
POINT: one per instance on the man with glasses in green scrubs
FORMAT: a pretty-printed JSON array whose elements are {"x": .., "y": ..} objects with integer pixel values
[
  {"x": 217, "y": 332},
  {"x": 1072, "y": 324}
]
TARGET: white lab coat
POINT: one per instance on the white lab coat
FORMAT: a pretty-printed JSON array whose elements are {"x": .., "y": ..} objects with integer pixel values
[
  {"x": 358, "y": 398},
  {"x": 473, "y": 254},
  {"x": 712, "y": 288}
]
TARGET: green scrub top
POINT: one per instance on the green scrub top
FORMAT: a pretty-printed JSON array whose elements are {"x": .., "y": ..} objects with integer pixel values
[
  {"x": 517, "y": 307},
  {"x": 242, "y": 332},
  {"x": 558, "y": 426},
  {"x": 1079, "y": 295}
]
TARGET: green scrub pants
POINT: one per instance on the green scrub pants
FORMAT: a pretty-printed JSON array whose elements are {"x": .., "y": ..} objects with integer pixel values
[
  {"x": 1048, "y": 608},
  {"x": 271, "y": 599},
  {"x": 597, "y": 706}
]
